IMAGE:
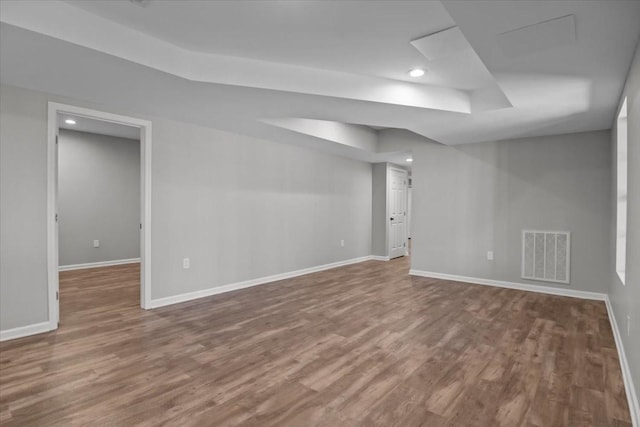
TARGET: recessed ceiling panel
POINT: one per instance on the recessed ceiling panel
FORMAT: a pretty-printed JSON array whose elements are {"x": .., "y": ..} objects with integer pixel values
[
  {"x": 57, "y": 48},
  {"x": 442, "y": 44},
  {"x": 540, "y": 36},
  {"x": 452, "y": 49}
]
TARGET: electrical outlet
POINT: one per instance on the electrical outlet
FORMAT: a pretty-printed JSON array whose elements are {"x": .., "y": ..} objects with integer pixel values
[
  {"x": 342, "y": 243},
  {"x": 490, "y": 255},
  {"x": 186, "y": 263},
  {"x": 96, "y": 243},
  {"x": 628, "y": 325}
]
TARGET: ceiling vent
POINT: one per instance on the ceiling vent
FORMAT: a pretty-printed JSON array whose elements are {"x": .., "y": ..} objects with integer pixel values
[
  {"x": 141, "y": 3},
  {"x": 442, "y": 44}
]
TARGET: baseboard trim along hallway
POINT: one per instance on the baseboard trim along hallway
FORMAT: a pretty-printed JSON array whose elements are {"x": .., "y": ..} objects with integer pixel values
[
  {"x": 634, "y": 406},
  {"x": 98, "y": 264},
  {"x": 512, "y": 285},
  {"x": 25, "y": 331},
  {"x": 379, "y": 258},
  {"x": 161, "y": 302}
]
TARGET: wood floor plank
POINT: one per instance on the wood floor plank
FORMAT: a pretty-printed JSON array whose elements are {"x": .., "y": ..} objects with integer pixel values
[{"x": 361, "y": 345}]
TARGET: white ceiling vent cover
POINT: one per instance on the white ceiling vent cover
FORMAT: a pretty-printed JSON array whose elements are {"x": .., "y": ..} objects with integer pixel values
[
  {"x": 546, "y": 255},
  {"x": 141, "y": 3}
]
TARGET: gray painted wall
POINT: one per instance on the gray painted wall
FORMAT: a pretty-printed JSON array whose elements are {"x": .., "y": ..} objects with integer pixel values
[
  {"x": 23, "y": 208},
  {"x": 379, "y": 236},
  {"x": 239, "y": 207},
  {"x": 625, "y": 300},
  {"x": 470, "y": 199},
  {"x": 98, "y": 197},
  {"x": 242, "y": 208}
]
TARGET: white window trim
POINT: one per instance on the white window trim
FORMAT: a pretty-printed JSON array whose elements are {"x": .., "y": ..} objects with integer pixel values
[{"x": 621, "y": 192}]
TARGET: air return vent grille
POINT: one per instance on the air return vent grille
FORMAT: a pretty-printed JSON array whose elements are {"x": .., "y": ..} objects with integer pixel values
[{"x": 546, "y": 255}]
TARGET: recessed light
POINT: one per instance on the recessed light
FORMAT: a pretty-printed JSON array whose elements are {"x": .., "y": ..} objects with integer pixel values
[
  {"x": 70, "y": 122},
  {"x": 416, "y": 72},
  {"x": 409, "y": 159}
]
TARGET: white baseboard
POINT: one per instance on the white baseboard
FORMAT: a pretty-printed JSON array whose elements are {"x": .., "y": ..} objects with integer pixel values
[
  {"x": 379, "y": 258},
  {"x": 630, "y": 390},
  {"x": 25, "y": 331},
  {"x": 161, "y": 302},
  {"x": 98, "y": 264},
  {"x": 513, "y": 285}
]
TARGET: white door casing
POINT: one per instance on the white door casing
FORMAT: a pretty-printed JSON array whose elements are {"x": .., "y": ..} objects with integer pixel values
[
  {"x": 409, "y": 201},
  {"x": 397, "y": 208},
  {"x": 52, "y": 201}
]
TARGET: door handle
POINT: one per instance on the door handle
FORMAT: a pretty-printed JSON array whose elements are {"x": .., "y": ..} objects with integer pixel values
[{"x": 392, "y": 218}]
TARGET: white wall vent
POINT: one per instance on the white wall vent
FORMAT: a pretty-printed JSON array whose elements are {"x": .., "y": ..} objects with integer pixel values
[{"x": 546, "y": 255}]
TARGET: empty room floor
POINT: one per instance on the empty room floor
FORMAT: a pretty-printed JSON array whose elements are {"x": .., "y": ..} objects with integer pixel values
[
  {"x": 361, "y": 345},
  {"x": 98, "y": 292}
]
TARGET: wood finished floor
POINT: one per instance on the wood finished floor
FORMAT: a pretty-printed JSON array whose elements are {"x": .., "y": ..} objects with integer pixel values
[{"x": 362, "y": 345}]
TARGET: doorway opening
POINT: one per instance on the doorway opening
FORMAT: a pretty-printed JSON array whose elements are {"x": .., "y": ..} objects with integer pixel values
[{"x": 99, "y": 170}]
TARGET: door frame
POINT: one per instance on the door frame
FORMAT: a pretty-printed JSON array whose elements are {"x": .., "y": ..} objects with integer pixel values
[
  {"x": 390, "y": 169},
  {"x": 52, "y": 200}
]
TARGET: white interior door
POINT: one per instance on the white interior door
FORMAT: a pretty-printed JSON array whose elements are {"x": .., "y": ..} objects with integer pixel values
[
  {"x": 55, "y": 315},
  {"x": 409, "y": 212},
  {"x": 397, "y": 213}
]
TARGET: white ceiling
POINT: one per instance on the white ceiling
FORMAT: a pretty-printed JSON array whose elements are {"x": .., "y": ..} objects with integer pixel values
[
  {"x": 249, "y": 67},
  {"x": 350, "y": 36},
  {"x": 101, "y": 127}
]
